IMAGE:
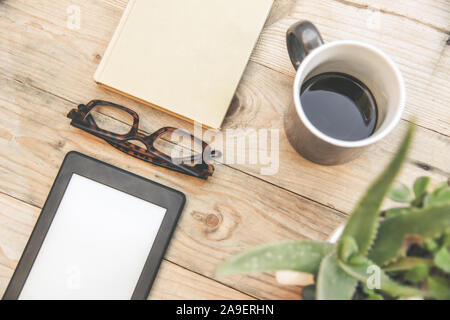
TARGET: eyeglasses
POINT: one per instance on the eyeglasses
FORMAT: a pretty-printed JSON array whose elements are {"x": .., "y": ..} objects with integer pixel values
[{"x": 86, "y": 117}]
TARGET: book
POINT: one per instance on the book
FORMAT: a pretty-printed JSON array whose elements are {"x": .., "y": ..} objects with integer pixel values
[{"x": 185, "y": 57}]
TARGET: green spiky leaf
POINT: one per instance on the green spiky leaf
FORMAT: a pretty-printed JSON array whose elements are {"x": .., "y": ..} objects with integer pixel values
[
  {"x": 417, "y": 273},
  {"x": 446, "y": 240},
  {"x": 440, "y": 195},
  {"x": 371, "y": 294},
  {"x": 442, "y": 259},
  {"x": 332, "y": 282},
  {"x": 304, "y": 256},
  {"x": 362, "y": 224},
  {"x": 348, "y": 248},
  {"x": 395, "y": 212},
  {"x": 431, "y": 245},
  {"x": 375, "y": 296},
  {"x": 420, "y": 186},
  {"x": 439, "y": 288},
  {"x": 400, "y": 193},
  {"x": 425, "y": 223},
  {"x": 407, "y": 263},
  {"x": 365, "y": 274}
]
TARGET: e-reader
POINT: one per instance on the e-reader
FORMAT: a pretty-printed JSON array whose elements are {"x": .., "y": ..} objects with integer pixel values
[{"x": 102, "y": 234}]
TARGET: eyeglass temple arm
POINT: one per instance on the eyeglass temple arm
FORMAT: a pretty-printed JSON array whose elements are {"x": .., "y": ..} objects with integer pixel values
[{"x": 162, "y": 161}]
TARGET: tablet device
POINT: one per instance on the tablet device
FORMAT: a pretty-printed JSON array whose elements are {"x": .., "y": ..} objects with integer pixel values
[{"x": 102, "y": 234}]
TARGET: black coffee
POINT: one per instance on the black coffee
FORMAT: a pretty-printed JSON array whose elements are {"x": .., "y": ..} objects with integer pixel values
[{"x": 340, "y": 106}]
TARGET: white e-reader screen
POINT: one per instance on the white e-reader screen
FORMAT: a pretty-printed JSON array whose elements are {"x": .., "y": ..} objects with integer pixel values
[
  {"x": 96, "y": 246},
  {"x": 99, "y": 240}
]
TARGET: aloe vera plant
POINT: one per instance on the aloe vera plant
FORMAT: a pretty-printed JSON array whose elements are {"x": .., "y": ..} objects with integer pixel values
[{"x": 397, "y": 253}]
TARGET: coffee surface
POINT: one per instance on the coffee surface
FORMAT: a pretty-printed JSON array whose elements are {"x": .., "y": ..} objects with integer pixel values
[{"x": 340, "y": 106}]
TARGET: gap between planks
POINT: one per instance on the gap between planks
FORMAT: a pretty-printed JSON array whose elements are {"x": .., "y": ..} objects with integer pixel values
[
  {"x": 263, "y": 102},
  {"x": 385, "y": 11},
  {"x": 190, "y": 229},
  {"x": 337, "y": 211},
  {"x": 121, "y": 4},
  {"x": 28, "y": 84}
]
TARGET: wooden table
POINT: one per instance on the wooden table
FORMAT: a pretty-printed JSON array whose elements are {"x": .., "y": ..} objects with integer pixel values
[{"x": 46, "y": 69}]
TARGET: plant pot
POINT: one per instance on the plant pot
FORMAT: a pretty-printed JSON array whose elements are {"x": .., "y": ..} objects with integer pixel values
[{"x": 334, "y": 236}]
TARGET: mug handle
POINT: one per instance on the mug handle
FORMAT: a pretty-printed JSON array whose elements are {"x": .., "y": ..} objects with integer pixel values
[{"x": 301, "y": 38}]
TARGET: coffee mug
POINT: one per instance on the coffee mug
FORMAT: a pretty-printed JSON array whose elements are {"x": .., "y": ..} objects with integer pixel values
[{"x": 311, "y": 57}]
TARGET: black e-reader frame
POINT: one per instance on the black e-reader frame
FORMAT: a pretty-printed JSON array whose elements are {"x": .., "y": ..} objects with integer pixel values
[{"x": 76, "y": 163}]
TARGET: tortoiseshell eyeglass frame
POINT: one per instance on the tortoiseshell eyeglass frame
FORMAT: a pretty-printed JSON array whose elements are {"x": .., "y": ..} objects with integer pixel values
[{"x": 83, "y": 119}]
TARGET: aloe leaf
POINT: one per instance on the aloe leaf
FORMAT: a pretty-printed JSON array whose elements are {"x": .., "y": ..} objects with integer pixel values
[
  {"x": 348, "y": 248},
  {"x": 332, "y": 282},
  {"x": 442, "y": 260},
  {"x": 361, "y": 272},
  {"x": 439, "y": 288},
  {"x": 375, "y": 297},
  {"x": 362, "y": 224},
  {"x": 430, "y": 245},
  {"x": 420, "y": 186},
  {"x": 446, "y": 240},
  {"x": 303, "y": 256},
  {"x": 417, "y": 273},
  {"x": 426, "y": 223},
  {"x": 372, "y": 295},
  {"x": 400, "y": 193},
  {"x": 395, "y": 211},
  {"x": 407, "y": 263},
  {"x": 440, "y": 195}
]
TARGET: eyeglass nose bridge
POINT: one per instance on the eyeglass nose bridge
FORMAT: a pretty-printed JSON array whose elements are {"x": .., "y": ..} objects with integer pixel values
[
  {"x": 83, "y": 108},
  {"x": 142, "y": 139}
]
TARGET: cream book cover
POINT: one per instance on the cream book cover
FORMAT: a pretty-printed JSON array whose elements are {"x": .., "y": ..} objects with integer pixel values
[{"x": 183, "y": 56}]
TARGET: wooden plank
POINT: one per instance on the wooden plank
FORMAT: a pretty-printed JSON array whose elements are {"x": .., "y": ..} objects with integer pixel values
[
  {"x": 415, "y": 47},
  {"x": 39, "y": 51},
  {"x": 223, "y": 216},
  {"x": 75, "y": 54},
  {"x": 433, "y": 13},
  {"x": 374, "y": 22},
  {"x": 441, "y": 79},
  {"x": 260, "y": 103},
  {"x": 17, "y": 220},
  {"x": 37, "y": 48},
  {"x": 176, "y": 283},
  {"x": 42, "y": 53}
]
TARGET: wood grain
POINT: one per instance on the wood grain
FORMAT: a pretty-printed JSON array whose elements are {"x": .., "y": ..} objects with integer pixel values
[
  {"x": 176, "y": 283},
  {"x": 46, "y": 69},
  {"x": 433, "y": 13},
  {"x": 223, "y": 216},
  {"x": 416, "y": 47},
  {"x": 261, "y": 101},
  {"x": 17, "y": 220},
  {"x": 414, "y": 34},
  {"x": 55, "y": 59}
]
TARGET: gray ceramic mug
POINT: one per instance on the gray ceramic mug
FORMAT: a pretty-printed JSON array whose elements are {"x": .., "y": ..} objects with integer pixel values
[{"x": 310, "y": 57}]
